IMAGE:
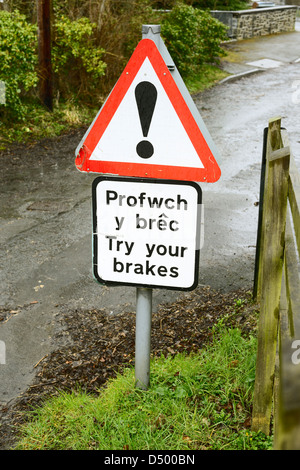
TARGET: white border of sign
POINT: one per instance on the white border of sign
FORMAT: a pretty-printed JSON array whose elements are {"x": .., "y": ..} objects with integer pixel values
[{"x": 126, "y": 247}]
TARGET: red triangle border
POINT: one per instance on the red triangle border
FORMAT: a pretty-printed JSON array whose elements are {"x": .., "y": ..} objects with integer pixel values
[{"x": 211, "y": 171}]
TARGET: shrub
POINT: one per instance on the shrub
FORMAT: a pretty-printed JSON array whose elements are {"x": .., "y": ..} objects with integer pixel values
[
  {"x": 77, "y": 61},
  {"x": 18, "y": 60},
  {"x": 221, "y": 4},
  {"x": 192, "y": 37}
]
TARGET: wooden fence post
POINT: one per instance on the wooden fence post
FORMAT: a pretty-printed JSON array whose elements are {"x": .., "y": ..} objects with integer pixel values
[
  {"x": 287, "y": 424},
  {"x": 256, "y": 293},
  {"x": 270, "y": 273}
]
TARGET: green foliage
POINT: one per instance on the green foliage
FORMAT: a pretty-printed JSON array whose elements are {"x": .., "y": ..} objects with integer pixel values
[
  {"x": 137, "y": 13},
  {"x": 221, "y": 4},
  {"x": 192, "y": 37},
  {"x": 18, "y": 60},
  {"x": 76, "y": 59},
  {"x": 39, "y": 123},
  {"x": 200, "y": 401},
  {"x": 206, "y": 78},
  {"x": 118, "y": 30},
  {"x": 91, "y": 45}
]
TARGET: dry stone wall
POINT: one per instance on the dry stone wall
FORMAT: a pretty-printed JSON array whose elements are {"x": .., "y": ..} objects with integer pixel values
[{"x": 245, "y": 24}]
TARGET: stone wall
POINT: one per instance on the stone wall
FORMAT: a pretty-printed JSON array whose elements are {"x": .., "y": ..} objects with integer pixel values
[
  {"x": 245, "y": 24},
  {"x": 290, "y": 2}
]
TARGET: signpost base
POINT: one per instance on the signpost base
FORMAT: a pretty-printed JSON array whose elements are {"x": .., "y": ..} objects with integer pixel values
[{"x": 143, "y": 337}]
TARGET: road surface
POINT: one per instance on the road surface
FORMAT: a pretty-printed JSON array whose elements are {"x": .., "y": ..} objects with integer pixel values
[{"x": 45, "y": 226}]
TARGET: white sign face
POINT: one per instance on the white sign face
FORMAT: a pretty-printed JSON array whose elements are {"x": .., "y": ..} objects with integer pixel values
[
  {"x": 146, "y": 232},
  {"x": 124, "y": 130}
]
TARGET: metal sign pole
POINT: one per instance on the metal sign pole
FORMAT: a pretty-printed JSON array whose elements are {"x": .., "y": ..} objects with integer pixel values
[
  {"x": 143, "y": 337},
  {"x": 144, "y": 295}
]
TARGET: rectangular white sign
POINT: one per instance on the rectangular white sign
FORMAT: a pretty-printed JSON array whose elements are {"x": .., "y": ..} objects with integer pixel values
[{"x": 146, "y": 232}]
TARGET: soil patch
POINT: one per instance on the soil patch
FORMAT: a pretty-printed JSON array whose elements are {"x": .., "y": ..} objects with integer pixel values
[{"x": 93, "y": 345}]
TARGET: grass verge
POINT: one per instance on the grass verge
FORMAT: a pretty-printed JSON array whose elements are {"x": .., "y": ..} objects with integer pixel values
[
  {"x": 207, "y": 77},
  {"x": 198, "y": 401},
  {"x": 39, "y": 123}
]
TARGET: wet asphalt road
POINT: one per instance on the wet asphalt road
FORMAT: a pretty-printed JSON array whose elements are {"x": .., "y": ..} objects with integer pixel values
[{"x": 45, "y": 225}]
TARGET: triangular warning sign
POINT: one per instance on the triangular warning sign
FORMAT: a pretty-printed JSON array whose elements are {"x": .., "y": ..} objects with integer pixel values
[{"x": 145, "y": 128}]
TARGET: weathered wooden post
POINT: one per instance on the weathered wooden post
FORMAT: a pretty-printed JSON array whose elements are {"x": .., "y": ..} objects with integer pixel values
[
  {"x": 287, "y": 396},
  {"x": 270, "y": 272},
  {"x": 287, "y": 406},
  {"x": 44, "y": 8}
]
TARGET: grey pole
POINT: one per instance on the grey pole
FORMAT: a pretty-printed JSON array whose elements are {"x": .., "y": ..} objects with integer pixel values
[
  {"x": 143, "y": 337},
  {"x": 143, "y": 294}
]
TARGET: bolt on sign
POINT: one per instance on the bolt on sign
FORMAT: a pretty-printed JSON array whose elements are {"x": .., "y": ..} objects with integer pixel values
[
  {"x": 146, "y": 232},
  {"x": 146, "y": 129}
]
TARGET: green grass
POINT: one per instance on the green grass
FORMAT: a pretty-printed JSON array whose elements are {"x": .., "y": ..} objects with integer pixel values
[
  {"x": 194, "y": 402},
  {"x": 39, "y": 123},
  {"x": 206, "y": 78}
]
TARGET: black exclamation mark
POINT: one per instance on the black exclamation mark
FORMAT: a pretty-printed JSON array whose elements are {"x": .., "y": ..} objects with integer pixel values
[{"x": 145, "y": 95}]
